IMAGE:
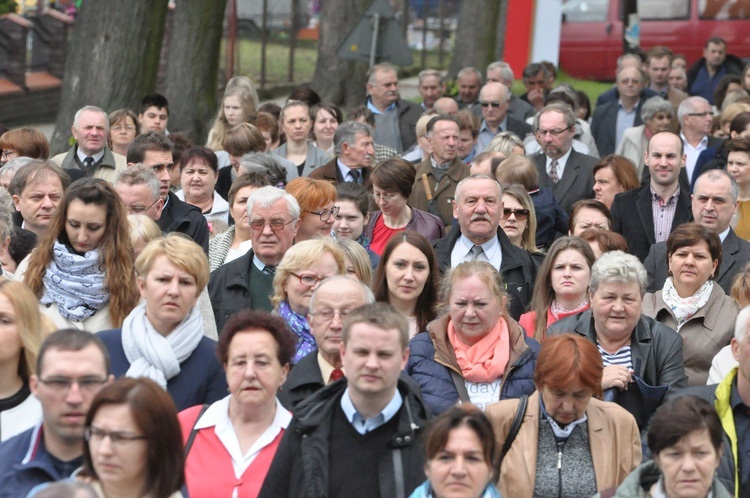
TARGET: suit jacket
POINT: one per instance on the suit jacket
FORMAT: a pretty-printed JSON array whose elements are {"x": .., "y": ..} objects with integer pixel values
[
  {"x": 179, "y": 216},
  {"x": 735, "y": 255},
  {"x": 604, "y": 126},
  {"x": 518, "y": 109},
  {"x": 315, "y": 158},
  {"x": 330, "y": 171},
  {"x": 576, "y": 183},
  {"x": 685, "y": 182},
  {"x": 634, "y": 219},
  {"x": 303, "y": 380},
  {"x": 111, "y": 163}
]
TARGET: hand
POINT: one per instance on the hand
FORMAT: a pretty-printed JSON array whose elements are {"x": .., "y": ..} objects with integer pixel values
[
  {"x": 536, "y": 98},
  {"x": 616, "y": 376}
]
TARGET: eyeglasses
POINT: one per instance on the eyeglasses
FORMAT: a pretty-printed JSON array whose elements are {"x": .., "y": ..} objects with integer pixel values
[
  {"x": 326, "y": 214},
  {"x": 554, "y": 132},
  {"x": 494, "y": 103},
  {"x": 326, "y": 315},
  {"x": 140, "y": 209},
  {"x": 7, "y": 154},
  {"x": 96, "y": 435},
  {"x": 520, "y": 214},
  {"x": 63, "y": 384},
  {"x": 701, "y": 114},
  {"x": 377, "y": 197},
  {"x": 276, "y": 225},
  {"x": 308, "y": 280}
]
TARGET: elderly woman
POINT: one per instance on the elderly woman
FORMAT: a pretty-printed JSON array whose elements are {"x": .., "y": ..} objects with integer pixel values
[
  {"x": 199, "y": 171},
  {"x": 637, "y": 351},
  {"x": 296, "y": 124},
  {"x": 691, "y": 302},
  {"x": 561, "y": 287},
  {"x": 460, "y": 456},
  {"x": 589, "y": 213},
  {"x": 304, "y": 266},
  {"x": 392, "y": 182},
  {"x": 657, "y": 115},
  {"x": 519, "y": 219},
  {"x": 569, "y": 443},
  {"x": 133, "y": 447},
  {"x": 686, "y": 440},
  {"x": 123, "y": 128},
  {"x": 612, "y": 175},
  {"x": 317, "y": 210},
  {"x": 230, "y": 444},
  {"x": 163, "y": 338},
  {"x": 474, "y": 353}
]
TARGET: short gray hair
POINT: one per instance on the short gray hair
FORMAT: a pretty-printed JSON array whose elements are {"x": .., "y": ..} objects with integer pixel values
[
  {"x": 367, "y": 294},
  {"x": 383, "y": 66},
  {"x": 468, "y": 71},
  {"x": 459, "y": 187},
  {"x": 506, "y": 72},
  {"x": 741, "y": 323},
  {"x": 688, "y": 105},
  {"x": 426, "y": 73},
  {"x": 564, "y": 109},
  {"x": 617, "y": 266},
  {"x": 717, "y": 174},
  {"x": 137, "y": 174},
  {"x": 6, "y": 215},
  {"x": 264, "y": 164},
  {"x": 265, "y": 196},
  {"x": 655, "y": 105},
  {"x": 91, "y": 108},
  {"x": 346, "y": 133},
  {"x": 10, "y": 168}
]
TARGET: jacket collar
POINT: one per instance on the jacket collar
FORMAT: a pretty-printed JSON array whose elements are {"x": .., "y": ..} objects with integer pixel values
[{"x": 709, "y": 313}]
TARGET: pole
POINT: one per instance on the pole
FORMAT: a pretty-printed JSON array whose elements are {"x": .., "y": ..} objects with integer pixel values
[
  {"x": 263, "y": 43},
  {"x": 424, "y": 34},
  {"x": 374, "y": 46}
]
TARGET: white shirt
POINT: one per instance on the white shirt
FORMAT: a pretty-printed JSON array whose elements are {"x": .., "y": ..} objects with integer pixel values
[
  {"x": 491, "y": 252},
  {"x": 560, "y": 164},
  {"x": 692, "y": 154}
]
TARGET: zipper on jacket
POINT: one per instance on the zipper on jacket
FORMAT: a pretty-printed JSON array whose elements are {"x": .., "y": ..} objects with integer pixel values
[{"x": 560, "y": 447}]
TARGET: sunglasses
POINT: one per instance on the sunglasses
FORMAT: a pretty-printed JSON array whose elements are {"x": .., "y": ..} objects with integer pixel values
[
  {"x": 520, "y": 214},
  {"x": 487, "y": 104}
]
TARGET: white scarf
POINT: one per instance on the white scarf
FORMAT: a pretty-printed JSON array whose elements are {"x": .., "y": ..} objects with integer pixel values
[
  {"x": 151, "y": 354},
  {"x": 683, "y": 309}
]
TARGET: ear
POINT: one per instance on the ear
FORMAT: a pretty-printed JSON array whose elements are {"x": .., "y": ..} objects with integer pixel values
[
  {"x": 404, "y": 358},
  {"x": 33, "y": 384},
  {"x": 367, "y": 217},
  {"x": 284, "y": 373},
  {"x": 74, "y": 132},
  {"x": 295, "y": 226},
  {"x": 17, "y": 202},
  {"x": 159, "y": 209},
  {"x": 735, "y": 345},
  {"x": 455, "y": 209},
  {"x": 141, "y": 286}
]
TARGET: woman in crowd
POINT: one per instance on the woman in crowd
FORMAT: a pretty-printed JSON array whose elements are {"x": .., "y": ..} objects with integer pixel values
[
  {"x": 326, "y": 119},
  {"x": 199, "y": 171},
  {"x": 303, "y": 267},
  {"x": 570, "y": 443},
  {"x": 133, "y": 445},
  {"x": 686, "y": 440},
  {"x": 589, "y": 213},
  {"x": 238, "y": 141},
  {"x": 657, "y": 115},
  {"x": 353, "y": 202},
  {"x": 22, "y": 330},
  {"x": 691, "y": 302},
  {"x": 82, "y": 270},
  {"x": 633, "y": 347},
  {"x": 460, "y": 452},
  {"x": 317, "y": 211},
  {"x": 561, "y": 287},
  {"x": 519, "y": 219},
  {"x": 142, "y": 231},
  {"x": 163, "y": 337},
  {"x": 296, "y": 125},
  {"x": 357, "y": 261},
  {"x": 739, "y": 126},
  {"x": 240, "y": 101},
  {"x": 475, "y": 352},
  {"x": 235, "y": 242},
  {"x": 123, "y": 128},
  {"x": 506, "y": 143},
  {"x": 739, "y": 168},
  {"x": 604, "y": 241},
  {"x": 612, "y": 175},
  {"x": 230, "y": 444},
  {"x": 267, "y": 165},
  {"x": 269, "y": 128},
  {"x": 23, "y": 142},
  {"x": 407, "y": 279},
  {"x": 392, "y": 181}
]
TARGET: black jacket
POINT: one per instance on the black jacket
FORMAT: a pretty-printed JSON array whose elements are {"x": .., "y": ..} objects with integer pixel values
[
  {"x": 179, "y": 216},
  {"x": 303, "y": 380},
  {"x": 228, "y": 288},
  {"x": 604, "y": 125},
  {"x": 518, "y": 269},
  {"x": 300, "y": 467}
]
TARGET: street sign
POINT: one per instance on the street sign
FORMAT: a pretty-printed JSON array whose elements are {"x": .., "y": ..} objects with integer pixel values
[{"x": 377, "y": 37}]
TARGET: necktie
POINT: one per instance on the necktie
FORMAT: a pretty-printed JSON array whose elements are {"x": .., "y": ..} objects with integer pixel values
[
  {"x": 356, "y": 175},
  {"x": 269, "y": 270},
  {"x": 88, "y": 165},
  {"x": 553, "y": 171},
  {"x": 336, "y": 375},
  {"x": 476, "y": 251}
]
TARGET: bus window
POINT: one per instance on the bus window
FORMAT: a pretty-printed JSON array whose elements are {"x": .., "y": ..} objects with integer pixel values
[
  {"x": 585, "y": 10},
  {"x": 663, "y": 10},
  {"x": 723, "y": 10}
]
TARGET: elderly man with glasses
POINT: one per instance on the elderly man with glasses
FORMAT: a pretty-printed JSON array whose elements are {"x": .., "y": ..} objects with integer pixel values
[{"x": 493, "y": 99}]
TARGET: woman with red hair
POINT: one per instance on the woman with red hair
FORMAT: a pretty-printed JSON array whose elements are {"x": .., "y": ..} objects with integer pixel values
[{"x": 569, "y": 443}]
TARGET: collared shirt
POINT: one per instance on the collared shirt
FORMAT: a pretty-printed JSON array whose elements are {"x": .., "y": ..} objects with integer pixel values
[
  {"x": 741, "y": 414},
  {"x": 492, "y": 254},
  {"x": 346, "y": 171},
  {"x": 375, "y": 110},
  {"x": 81, "y": 156},
  {"x": 663, "y": 211},
  {"x": 326, "y": 369},
  {"x": 486, "y": 134},
  {"x": 364, "y": 426},
  {"x": 217, "y": 416},
  {"x": 692, "y": 154},
  {"x": 723, "y": 235},
  {"x": 258, "y": 263},
  {"x": 625, "y": 120},
  {"x": 561, "y": 162}
]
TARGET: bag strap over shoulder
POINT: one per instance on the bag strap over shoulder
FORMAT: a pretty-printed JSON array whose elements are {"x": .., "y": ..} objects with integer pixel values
[
  {"x": 194, "y": 431},
  {"x": 514, "y": 428}
]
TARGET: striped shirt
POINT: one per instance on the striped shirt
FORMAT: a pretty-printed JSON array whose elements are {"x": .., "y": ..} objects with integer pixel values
[{"x": 621, "y": 357}]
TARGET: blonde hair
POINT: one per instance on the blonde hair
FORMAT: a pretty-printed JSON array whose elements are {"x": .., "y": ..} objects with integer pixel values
[
  {"x": 182, "y": 252},
  {"x": 301, "y": 256},
  {"x": 740, "y": 290},
  {"x": 243, "y": 88},
  {"x": 143, "y": 228},
  {"x": 485, "y": 271},
  {"x": 359, "y": 258}
]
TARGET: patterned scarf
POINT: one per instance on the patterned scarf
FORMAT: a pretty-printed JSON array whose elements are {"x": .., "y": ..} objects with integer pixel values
[
  {"x": 683, "y": 309},
  {"x": 364, "y": 241},
  {"x": 556, "y": 309},
  {"x": 298, "y": 323},
  {"x": 75, "y": 282}
]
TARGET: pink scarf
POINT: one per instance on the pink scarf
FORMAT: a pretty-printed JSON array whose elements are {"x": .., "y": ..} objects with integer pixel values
[{"x": 484, "y": 361}]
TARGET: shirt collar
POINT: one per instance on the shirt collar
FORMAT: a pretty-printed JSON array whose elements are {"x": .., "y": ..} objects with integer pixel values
[
  {"x": 326, "y": 369},
  {"x": 81, "y": 156},
  {"x": 655, "y": 196},
  {"x": 723, "y": 235},
  {"x": 217, "y": 415},
  {"x": 387, "y": 413},
  {"x": 563, "y": 160},
  {"x": 375, "y": 110},
  {"x": 487, "y": 246}
]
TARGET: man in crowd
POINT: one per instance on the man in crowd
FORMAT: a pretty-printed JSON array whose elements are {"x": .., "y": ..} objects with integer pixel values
[
  {"x": 73, "y": 365},
  {"x": 247, "y": 282},
  {"x": 431, "y": 88},
  {"x": 714, "y": 203},
  {"x": 658, "y": 63},
  {"x": 493, "y": 99},
  {"x": 704, "y": 76},
  {"x": 678, "y": 79},
  {"x": 362, "y": 436},
  {"x": 331, "y": 303},
  {"x": 469, "y": 81},
  {"x": 478, "y": 207},
  {"x": 395, "y": 118},
  {"x": 154, "y": 114},
  {"x": 613, "y": 94},
  {"x": 445, "y": 105},
  {"x": 37, "y": 190},
  {"x": 90, "y": 156},
  {"x": 535, "y": 77},
  {"x": 612, "y": 119},
  {"x": 696, "y": 119},
  {"x": 138, "y": 188},
  {"x": 355, "y": 154},
  {"x": 648, "y": 215},
  {"x": 501, "y": 72}
]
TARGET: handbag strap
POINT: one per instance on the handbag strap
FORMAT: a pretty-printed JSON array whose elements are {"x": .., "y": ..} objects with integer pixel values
[
  {"x": 514, "y": 428},
  {"x": 194, "y": 431},
  {"x": 460, "y": 386}
]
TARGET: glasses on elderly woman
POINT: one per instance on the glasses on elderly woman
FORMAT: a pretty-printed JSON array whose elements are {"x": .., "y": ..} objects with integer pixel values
[
  {"x": 325, "y": 214},
  {"x": 308, "y": 280}
]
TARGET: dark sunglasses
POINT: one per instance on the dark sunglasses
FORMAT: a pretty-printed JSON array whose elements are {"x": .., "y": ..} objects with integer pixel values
[
  {"x": 487, "y": 104},
  {"x": 520, "y": 214}
]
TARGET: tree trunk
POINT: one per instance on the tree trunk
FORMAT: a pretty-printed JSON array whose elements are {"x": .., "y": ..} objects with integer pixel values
[
  {"x": 337, "y": 80},
  {"x": 476, "y": 35},
  {"x": 502, "y": 20},
  {"x": 193, "y": 66},
  {"x": 112, "y": 61}
]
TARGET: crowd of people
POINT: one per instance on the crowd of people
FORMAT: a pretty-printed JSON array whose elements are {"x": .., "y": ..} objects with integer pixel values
[{"x": 481, "y": 296}]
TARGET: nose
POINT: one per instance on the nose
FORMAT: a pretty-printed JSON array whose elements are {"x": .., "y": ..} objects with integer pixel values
[
  {"x": 409, "y": 275},
  {"x": 74, "y": 396},
  {"x": 173, "y": 287},
  {"x": 458, "y": 468},
  {"x": 337, "y": 323},
  {"x": 267, "y": 229},
  {"x": 105, "y": 446},
  {"x": 372, "y": 362}
]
